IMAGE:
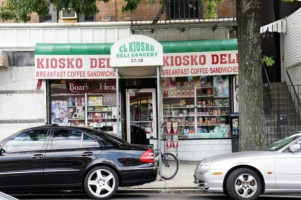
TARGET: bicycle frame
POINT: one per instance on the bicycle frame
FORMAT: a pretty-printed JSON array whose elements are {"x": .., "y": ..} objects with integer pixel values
[{"x": 163, "y": 158}]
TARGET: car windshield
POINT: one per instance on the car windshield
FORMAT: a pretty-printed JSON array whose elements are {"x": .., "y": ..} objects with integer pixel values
[{"x": 281, "y": 143}]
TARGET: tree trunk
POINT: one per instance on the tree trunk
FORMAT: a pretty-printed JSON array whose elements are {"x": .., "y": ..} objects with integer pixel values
[{"x": 251, "y": 114}]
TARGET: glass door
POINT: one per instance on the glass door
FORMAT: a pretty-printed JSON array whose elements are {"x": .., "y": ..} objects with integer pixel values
[{"x": 141, "y": 115}]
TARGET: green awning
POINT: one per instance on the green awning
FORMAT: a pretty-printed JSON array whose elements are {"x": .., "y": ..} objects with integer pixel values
[{"x": 104, "y": 48}]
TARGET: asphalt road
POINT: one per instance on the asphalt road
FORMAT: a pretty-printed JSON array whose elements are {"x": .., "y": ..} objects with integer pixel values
[{"x": 147, "y": 196}]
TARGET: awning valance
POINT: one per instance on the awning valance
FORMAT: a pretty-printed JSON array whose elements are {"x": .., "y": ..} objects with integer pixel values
[
  {"x": 93, "y": 60},
  {"x": 277, "y": 26},
  {"x": 104, "y": 48}
]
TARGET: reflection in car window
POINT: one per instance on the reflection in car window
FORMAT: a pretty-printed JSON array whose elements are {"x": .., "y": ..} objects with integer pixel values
[
  {"x": 281, "y": 143},
  {"x": 107, "y": 140},
  {"x": 27, "y": 141},
  {"x": 299, "y": 142},
  {"x": 66, "y": 139},
  {"x": 89, "y": 142},
  {"x": 112, "y": 139}
]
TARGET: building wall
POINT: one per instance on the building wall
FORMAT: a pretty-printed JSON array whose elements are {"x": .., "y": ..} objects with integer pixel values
[
  {"x": 107, "y": 11},
  {"x": 226, "y": 9},
  {"x": 196, "y": 150},
  {"x": 112, "y": 11},
  {"x": 272, "y": 11},
  {"x": 21, "y": 105},
  {"x": 291, "y": 41},
  {"x": 25, "y": 36},
  {"x": 292, "y": 46},
  {"x": 188, "y": 34}
]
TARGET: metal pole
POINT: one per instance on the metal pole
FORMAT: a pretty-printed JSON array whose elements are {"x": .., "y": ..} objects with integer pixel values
[
  {"x": 158, "y": 120},
  {"x": 117, "y": 98}
]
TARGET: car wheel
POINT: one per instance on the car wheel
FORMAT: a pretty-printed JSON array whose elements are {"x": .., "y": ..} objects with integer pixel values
[
  {"x": 243, "y": 184},
  {"x": 101, "y": 182}
]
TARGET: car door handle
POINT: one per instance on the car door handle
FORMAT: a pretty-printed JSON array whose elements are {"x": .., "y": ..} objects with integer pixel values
[
  {"x": 88, "y": 153},
  {"x": 37, "y": 156}
]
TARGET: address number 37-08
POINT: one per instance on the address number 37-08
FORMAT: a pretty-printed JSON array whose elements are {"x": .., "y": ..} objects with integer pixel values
[{"x": 135, "y": 60}]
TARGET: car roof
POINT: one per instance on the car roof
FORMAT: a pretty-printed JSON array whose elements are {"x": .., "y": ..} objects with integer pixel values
[
  {"x": 47, "y": 126},
  {"x": 296, "y": 134}
]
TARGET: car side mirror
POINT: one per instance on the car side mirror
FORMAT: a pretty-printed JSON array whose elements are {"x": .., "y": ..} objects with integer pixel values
[{"x": 294, "y": 147}]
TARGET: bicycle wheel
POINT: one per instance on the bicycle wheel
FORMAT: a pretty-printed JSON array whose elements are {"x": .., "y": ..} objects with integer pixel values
[{"x": 170, "y": 166}]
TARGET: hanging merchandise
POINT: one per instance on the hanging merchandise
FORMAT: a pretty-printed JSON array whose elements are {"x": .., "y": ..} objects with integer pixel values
[
  {"x": 168, "y": 134},
  {"x": 168, "y": 141},
  {"x": 175, "y": 141},
  {"x": 172, "y": 132}
]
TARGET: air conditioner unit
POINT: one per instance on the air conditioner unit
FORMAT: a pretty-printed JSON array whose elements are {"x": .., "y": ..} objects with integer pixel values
[{"x": 68, "y": 14}]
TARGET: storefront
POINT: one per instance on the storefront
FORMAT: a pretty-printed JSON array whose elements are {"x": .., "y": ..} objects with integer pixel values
[{"x": 196, "y": 91}]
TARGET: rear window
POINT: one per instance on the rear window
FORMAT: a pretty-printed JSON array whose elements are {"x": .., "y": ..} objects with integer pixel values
[{"x": 109, "y": 140}]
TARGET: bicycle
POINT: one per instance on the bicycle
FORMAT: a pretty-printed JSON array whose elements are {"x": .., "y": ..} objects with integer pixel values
[{"x": 169, "y": 166}]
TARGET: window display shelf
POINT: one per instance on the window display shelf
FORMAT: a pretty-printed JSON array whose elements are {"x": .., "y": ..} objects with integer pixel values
[
  {"x": 187, "y": 116},
  {"x": 217, "y": 97},
  {"x": 178, "y": 107},
  {"x": 207, "y": 107},
  {"x": 99, "y": 111},
  {"x": 104, "y": 119},
  {"x": 209, "y": 125},
  {"x": 205, "y": 96},
  {"x": 205, "y": 113},
  {"x": 179, "y": 97},
  {"x": 212, "y": 116}
]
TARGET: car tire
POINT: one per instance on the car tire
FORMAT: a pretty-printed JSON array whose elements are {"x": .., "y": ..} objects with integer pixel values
[
  {"x": 243, "y": 184},
  {"x": 101, "y": 182}
]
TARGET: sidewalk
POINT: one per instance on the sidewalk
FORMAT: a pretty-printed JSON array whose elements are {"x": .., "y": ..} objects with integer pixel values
[{"x": 182, "y": 181}]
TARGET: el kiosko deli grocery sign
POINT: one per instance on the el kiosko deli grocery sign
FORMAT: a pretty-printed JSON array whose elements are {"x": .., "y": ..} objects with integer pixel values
[{"x": 95, "y": 61}]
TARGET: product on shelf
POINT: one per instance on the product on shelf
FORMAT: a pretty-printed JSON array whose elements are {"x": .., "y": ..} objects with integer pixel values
[{"x": 200, "y": 107}]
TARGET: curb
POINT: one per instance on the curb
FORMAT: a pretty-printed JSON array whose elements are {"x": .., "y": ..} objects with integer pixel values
[{"x": 160, "y": 190}]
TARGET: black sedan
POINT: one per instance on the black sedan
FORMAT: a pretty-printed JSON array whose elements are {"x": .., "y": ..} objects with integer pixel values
[{"x": 71, "y": 158}]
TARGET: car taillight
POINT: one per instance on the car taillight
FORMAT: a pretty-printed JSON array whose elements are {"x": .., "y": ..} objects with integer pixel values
[{"x": 147, "y": 156}]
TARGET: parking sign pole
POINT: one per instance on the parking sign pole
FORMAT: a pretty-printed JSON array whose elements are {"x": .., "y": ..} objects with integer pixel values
[
  {"x": 117, "y": 98},
  {"x": 159, "y": 120}
]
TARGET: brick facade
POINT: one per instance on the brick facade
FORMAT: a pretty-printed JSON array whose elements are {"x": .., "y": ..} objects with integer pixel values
[{"x": 112, "y": 11}]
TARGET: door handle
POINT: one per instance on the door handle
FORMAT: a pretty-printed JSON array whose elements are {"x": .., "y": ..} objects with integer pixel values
[
  {"x": 37, "y": 156},
  {"x": 88, "y": 153}
]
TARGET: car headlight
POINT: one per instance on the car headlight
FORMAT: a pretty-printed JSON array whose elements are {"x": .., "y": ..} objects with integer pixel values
[{"x": 204, "y": 166}]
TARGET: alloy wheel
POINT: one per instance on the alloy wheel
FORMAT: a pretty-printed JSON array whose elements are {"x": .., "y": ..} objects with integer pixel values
[
  {"x": 101, "y": 183},
  {"x": 246, "y": 185}
]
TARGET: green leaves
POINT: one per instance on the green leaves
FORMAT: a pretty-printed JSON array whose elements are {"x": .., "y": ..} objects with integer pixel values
[
  {"x": 21, "y": 10},
  {"x": 268, "y": 61},
  {"x": 211, "y": 6}
]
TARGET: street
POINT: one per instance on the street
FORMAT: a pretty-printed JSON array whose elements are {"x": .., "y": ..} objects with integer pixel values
[{"x": 147, "y": 195}]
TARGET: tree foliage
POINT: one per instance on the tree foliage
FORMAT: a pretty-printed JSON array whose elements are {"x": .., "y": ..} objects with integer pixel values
[{"x": 21, "y": 10}]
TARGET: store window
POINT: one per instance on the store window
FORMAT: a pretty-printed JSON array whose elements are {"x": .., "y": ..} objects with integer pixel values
[
  {"x": 198, "y": 107},
  {"x": 84, "y": 103},
  {"x": 184, "y": 9}
]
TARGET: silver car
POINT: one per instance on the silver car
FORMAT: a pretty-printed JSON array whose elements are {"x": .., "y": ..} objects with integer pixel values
[{"x": 246, "y": 175}]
